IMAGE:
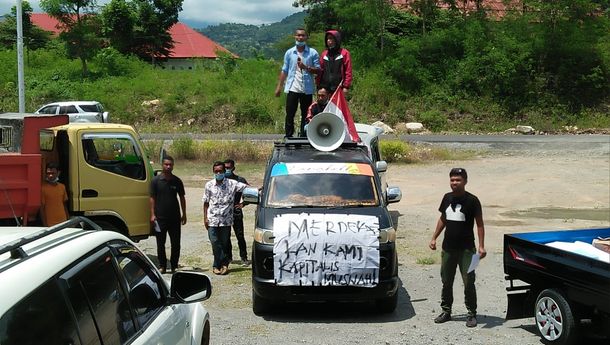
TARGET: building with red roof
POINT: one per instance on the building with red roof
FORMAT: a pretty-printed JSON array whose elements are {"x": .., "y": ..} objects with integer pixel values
[{"x": 189, "y": 45}]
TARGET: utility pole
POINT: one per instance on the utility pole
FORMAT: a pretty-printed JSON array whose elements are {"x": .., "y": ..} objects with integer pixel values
[{"x": 20, "y": 81}]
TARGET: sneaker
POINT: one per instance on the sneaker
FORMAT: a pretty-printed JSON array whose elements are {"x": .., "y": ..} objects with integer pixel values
[
  {"x": 162, "y": 270},
  {"x": 443, "y": 317},
  {"x": 471, "y": 321},
  {"x": 245, "y": 262}
]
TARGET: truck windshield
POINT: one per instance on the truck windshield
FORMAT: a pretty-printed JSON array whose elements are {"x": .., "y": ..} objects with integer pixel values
[{"x": 322, "y": 186}]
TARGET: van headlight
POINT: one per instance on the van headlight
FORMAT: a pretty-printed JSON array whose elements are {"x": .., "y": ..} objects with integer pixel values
[
  {"x": 387, "y": 235},
  {"x": 264, "y": 236}
]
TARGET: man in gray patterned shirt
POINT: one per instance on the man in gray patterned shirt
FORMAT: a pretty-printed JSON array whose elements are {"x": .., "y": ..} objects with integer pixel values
[{"x": 218, "y": 202}]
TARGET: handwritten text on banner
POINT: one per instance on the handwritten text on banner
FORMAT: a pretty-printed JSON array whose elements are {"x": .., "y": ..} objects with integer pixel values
[{"x": 326, "y": 250}]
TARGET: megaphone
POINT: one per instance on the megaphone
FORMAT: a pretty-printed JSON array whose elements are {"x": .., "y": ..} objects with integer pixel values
[{"x": 326, "y": 131}]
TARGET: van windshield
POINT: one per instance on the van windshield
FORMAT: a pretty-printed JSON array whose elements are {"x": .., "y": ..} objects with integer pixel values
[{"x": 321, "y": 185}]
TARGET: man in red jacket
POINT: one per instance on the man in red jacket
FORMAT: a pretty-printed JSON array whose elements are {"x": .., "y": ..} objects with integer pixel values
[{"x": 335, "y": 65}]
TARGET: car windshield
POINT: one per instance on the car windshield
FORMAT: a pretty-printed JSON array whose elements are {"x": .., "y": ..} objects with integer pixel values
[{"x": 321, "y": 185}]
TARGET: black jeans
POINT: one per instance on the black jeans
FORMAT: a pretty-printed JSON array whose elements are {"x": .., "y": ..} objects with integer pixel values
[
  {"x": 238, "y": 228},
  {"x": 171, "y": 227},
  {"x": 293, "y": 100}
]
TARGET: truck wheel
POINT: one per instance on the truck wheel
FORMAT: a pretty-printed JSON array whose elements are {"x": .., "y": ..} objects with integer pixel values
[
  {"x": 108, "y": 225},
  {"x": 554, "y": 318},
  {"x": 260, "y": 306},
  {"x": 387, "y": 305}
]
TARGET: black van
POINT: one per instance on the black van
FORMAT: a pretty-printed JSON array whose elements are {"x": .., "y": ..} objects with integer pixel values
[{"x": 323, "y": 231}]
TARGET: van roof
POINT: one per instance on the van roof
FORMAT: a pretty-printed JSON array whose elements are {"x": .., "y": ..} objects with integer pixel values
[{"x": 348, "y": 153}]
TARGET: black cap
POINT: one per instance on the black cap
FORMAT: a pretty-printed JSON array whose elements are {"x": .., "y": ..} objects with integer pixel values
[{"x": 459, "y": 172}]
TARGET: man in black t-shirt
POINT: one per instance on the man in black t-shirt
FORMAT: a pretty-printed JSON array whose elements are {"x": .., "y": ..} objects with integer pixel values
[
  {"x": 165, "y": 190},
  {"x": 459, "y": 211}
]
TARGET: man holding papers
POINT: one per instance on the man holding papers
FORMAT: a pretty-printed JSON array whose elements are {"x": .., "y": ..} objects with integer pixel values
[{"x": 459, "y": 210}]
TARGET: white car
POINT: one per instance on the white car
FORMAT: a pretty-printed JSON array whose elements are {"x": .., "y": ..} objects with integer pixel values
[
  {"x": 64, "y": 285},
  {"x": 78, "y": 111}
]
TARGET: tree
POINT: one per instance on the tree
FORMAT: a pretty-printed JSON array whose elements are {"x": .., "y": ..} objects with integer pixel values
[
  {"x": 33, "y": 37},
  {"x": 141, "y": 27},
  {"x": 119, "y": 19},
  {"x": 80, "y": 27}
]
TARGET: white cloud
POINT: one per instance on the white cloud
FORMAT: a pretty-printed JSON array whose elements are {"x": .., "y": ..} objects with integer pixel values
[
  {"x": 214, "y": 11},
  {"x": 237, "y": 11}
]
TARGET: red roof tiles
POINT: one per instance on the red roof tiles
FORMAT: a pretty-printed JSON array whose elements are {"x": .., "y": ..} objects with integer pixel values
[{"x": 188, "y": 43}]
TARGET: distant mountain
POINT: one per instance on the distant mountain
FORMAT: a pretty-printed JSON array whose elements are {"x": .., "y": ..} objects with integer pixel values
[{"x": 250, "y": 41}]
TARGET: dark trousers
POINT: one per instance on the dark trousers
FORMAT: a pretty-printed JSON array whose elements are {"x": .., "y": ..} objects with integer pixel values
[
  {"x": 219, "y": 237},
  {"x": 450, "y": 260},
  {"x": 173, "y": 229},
  {"x": 238, "y": 228},
  {"x": 293, "y": 100}
]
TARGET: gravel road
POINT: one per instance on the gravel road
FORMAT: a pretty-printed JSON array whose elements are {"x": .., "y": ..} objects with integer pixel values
[{"x": 524, "y": 189}]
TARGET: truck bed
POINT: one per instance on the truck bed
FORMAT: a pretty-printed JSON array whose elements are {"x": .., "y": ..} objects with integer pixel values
[{"x": 584, "y": 280}]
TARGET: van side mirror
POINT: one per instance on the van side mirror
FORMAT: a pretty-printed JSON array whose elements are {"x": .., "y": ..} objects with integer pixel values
[
  {"x": 250, "y": 195},
  {"x": 394, "y": 194},
  {"x": 105, "y": 117},
  {"x": 381, "y": 166}
]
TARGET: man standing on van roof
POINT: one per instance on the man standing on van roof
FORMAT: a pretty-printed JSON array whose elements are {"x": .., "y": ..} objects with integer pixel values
[
  {"x": 301, "y": 63},
  {"x": 459, "y": 210},
  {"x": 335, "y": 65}
]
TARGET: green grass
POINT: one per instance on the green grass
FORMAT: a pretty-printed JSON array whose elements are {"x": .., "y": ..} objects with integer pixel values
[
  {"x": 428, "y": 260},
  {"x": 240, "y": 99}
]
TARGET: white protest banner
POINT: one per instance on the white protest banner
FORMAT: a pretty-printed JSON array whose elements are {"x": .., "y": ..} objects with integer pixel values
[{"x": 326, "y": 250}]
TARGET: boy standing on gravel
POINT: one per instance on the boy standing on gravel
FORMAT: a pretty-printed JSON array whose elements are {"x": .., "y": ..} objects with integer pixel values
[{"x": 459, "y": 210}]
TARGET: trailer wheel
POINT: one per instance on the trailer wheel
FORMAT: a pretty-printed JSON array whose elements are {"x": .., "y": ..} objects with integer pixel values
[{"x": 554, "y": 318}]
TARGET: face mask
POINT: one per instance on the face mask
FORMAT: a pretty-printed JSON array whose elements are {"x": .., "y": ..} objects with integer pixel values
[
  {"x": 299, "y": 43},
  {"x": 322, "y": 103},
  {"x": 219, "y": 177},
  {"x": 228, "y": 172}
]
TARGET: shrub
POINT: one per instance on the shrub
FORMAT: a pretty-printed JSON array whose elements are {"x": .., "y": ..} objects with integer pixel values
[
  {"x": 394, "y": 150},
  {"x": 183, "y": 148},
  {"x": 433, "y": 120}
]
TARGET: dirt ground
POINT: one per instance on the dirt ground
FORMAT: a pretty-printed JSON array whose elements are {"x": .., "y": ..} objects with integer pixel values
[{"x": 524, "y": 190}]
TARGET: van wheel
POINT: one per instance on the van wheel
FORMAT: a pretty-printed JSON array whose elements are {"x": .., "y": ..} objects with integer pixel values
[
  {"x": 387, "y": 305},
  {"x": 260, "y": 306},
  {"x": 554, "y": 318}
]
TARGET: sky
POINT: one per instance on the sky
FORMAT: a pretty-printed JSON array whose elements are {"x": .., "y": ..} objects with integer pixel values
[{"x": 201, "y": 13}]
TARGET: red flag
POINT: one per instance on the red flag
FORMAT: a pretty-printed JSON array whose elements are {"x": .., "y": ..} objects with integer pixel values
[{"x": 338, "y": 106}]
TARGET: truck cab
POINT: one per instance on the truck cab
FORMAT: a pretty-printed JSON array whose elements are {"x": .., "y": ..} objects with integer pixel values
[{"x": 103, "y": 166}]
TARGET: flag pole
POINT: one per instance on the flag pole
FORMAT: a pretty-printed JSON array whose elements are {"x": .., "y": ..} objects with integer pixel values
[{"x": 20, "y": 78}]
